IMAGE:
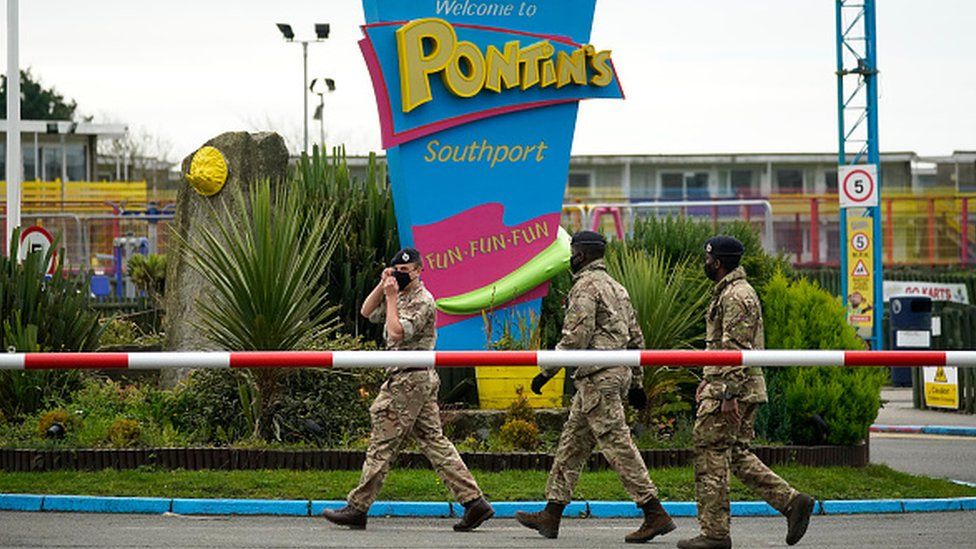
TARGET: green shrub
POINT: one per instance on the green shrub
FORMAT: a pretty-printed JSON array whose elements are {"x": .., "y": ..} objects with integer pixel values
[
  {"x": 553, "y": 310},
  {"x": 520, "y": 408},
  {"x": 123, "y": 433},
  {"x": 368, "y": 236},
  {"x": 41, "y": 314},
  {"x": 518, "y": 434},
  {"x": 68, "y": 421},
  {"x": 119, "y": 331},
  {"x": 801, "y": 315}
]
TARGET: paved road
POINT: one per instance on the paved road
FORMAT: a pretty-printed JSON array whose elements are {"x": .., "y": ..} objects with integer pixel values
[
  {"x": 933, "y": 456},
  {"x": 91, "y": 530}
]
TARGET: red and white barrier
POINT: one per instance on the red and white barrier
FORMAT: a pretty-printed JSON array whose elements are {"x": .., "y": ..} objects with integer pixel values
[{"x": 461, "y": 359}]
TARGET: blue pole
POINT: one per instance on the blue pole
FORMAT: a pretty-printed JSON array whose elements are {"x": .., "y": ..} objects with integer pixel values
[
  {"x": 841, "y": 156},
  {"x": 874, "y": 157}
]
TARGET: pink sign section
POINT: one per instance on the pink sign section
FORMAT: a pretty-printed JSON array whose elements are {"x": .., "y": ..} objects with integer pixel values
[{"x": 475, "y": 248}]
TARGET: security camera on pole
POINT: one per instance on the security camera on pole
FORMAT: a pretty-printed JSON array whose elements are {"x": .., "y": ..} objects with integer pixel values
[
  {"x": 321, "y": 33},
  {"x": 319, "y": 87}
]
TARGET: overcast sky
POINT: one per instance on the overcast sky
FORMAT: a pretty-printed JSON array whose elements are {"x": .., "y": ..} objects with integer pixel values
[{"x": 700, "y": 75}]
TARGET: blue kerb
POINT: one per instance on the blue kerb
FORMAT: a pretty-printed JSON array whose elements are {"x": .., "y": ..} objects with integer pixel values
[
  {"x": 240, "y": 507},
  {"x": 577, "y": 509},
  {"x": 21, "y": 502}
]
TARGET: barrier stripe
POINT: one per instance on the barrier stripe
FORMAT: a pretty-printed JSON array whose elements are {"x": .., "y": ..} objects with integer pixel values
[
  {"x": 894, "y": 358},
  {"x": 467, "y": 359},
  {"x": 476, "y": 358},
  {"x": 281, "y": 359},
  {"x": 76, "y": 361},
  {"x": 156, "y": 361},
  {"x": 691, "y": 358}
]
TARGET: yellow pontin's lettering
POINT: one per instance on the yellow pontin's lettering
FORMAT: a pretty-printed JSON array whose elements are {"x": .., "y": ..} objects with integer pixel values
[
  {"x": 503, "y": 67},
  {"x": 429, "y": 46}
]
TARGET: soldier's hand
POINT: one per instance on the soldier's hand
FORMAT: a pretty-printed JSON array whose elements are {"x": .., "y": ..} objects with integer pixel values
[
  {"x": 637, "y": 398},
  {"x": 390, "y": 287},
  {"x": 385, "y": 274},
  {"x": 538, "y": 382},
  {"x": 731, "y": 408}
]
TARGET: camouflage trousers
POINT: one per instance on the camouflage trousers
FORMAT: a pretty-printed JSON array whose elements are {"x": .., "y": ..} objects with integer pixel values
[
  {"x": 722, "y": 444},
  {"x": 407, "y": 406},
  {"x": 596, "y": 417}
]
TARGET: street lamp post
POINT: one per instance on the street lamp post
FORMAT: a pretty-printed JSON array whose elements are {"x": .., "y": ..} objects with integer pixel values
[
  {"x": 319, "y": 115},
  {"x": 321, "y": 33},
  {"x": 15, "y": 165}
]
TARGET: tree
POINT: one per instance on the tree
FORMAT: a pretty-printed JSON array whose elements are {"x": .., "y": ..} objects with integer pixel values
[{"x": 37, "y": 102}]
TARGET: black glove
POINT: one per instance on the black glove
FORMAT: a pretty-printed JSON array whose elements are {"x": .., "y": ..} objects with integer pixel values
[
  {"x": 637, "y": 398},
  {"x": 538, "y": 381}
]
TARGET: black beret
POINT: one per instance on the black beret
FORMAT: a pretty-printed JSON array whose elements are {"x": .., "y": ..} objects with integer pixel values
[
  {"x": 588, "y": 238},
  {"x": 724, "y": 246},
  {"x": 406, "y": 255}
]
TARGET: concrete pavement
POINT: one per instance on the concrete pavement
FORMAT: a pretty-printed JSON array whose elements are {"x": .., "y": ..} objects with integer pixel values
[
  {"x": 91, "y": 530},
  {"x": 898, "y": 410}
]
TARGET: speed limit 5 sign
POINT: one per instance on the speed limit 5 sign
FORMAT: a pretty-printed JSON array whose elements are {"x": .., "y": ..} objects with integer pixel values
[{"x": 858, "y": 185}]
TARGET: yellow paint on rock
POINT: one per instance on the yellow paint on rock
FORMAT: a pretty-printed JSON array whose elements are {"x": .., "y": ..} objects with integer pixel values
[{"x": 208, "y": 171}]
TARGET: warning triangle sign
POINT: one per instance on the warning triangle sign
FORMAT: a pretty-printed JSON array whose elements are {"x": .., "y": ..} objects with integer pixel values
[
  {"x": 860, "y": 270},
  {"x": 940, "y": 375}
]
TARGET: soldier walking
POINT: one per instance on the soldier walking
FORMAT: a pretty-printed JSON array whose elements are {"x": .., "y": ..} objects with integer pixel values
[
  {"x": 728, "y": 399},
  {"x": 598, "y": 316},
  {"x": 407, "y": 401}
]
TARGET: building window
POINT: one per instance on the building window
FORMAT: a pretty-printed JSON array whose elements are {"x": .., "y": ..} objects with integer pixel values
[
  {"x": 579, "y": 180},
  {"x": 30, "y": 163},
  {"x": 830, "y": 180},
  {"x": 51, "y": 163},
  {"x": 76, "y": 161},
  {"x": 684, "y": 186},
  {"x": 740, "y": 183},
  {"x": 672, "y": 186},
  {"x": 789, "y": 181}
]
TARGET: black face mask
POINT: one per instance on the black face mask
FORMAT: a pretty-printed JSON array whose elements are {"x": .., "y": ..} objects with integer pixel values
[
  {"x": 403, "y": 279},
  {"x": 711, "y": 271},
  {"x": 576, "y": 262}
]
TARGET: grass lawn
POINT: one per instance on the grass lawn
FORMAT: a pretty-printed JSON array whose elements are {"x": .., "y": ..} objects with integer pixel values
[{"x": 675, "y": 484}]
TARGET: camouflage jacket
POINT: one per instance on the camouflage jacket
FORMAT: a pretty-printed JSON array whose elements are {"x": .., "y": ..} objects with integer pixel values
[
  {"x": 415, "y": 308},
  {"x": 599, "y": 316},
  {"x": 734, "y": 322}
]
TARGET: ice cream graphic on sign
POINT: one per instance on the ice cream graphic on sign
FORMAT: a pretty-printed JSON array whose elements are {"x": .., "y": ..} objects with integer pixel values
[{"x": 477, "y": 104}]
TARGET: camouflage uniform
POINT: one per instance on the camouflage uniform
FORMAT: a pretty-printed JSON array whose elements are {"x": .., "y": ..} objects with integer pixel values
[
  {"x": 407, "y": 405},
  {"x": 734, "y": 322},
  {"x": 599, "y": 316}
]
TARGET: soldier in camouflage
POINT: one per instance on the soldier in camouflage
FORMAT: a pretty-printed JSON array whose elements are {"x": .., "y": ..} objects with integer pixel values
[
  {"x": 728, "y": 399},
  {"x": 407, "y": 403},
  {"x": 598, "y": 316}
]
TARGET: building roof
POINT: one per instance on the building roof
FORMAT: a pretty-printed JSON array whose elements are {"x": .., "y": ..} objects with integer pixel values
[{"x": 69, "y": 127}]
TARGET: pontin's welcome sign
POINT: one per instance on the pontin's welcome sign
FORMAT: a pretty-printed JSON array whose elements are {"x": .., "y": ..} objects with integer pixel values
[{"x": 477, "y": 103}]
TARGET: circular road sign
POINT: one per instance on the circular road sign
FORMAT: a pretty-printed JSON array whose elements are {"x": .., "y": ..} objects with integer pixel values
[
  {"x": 858, "y": 186},
  {"x": 37, "y": 239}
]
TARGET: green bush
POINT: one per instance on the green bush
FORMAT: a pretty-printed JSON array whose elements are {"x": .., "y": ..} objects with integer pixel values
[
  {"x": 368, "y": 238},
  {"x": 41, "y": 314},
  {"x": 678, "y": 238},
  {"x": 801, "y": 315},
  {"x": 520, "y": 435},
  {"x": 123, "y": 433}
]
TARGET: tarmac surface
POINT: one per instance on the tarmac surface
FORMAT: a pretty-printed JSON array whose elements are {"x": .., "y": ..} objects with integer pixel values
[
  {"x": 930, "y": 455},
  {"x": 108, "y": 530}
]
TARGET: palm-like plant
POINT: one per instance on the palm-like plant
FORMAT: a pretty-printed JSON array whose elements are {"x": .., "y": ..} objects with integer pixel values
[
  {"x": 264, "y": 261},
  {"x": 670, "y": 301}
]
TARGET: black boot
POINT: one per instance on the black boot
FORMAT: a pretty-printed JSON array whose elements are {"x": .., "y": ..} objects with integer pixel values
[
  {"x": 703, "y": 542},
  {"x": 798, "y": 517},
  {"x": 475, "y": 512},
  {"x": 657, "y": 522},
  {"x": 546, "y": 521},
  {"x": 347, "y": 516}
]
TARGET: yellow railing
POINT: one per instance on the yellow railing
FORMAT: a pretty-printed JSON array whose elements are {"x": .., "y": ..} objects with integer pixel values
[{"x": 79, "y": 196}]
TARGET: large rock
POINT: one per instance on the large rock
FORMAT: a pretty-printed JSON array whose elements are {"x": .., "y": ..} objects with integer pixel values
[{"x": 243, "y": 159}]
